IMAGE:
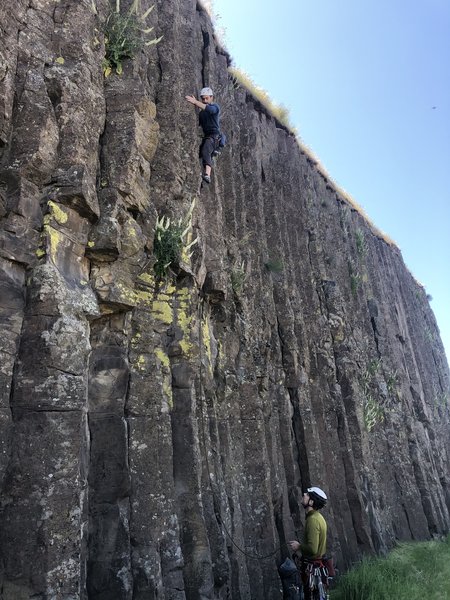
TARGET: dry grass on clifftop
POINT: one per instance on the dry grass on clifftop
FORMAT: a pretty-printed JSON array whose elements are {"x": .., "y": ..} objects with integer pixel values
[{"x": 281, "y": 114}]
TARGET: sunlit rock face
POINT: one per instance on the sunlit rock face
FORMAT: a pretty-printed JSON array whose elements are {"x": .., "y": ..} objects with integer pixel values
[{"x": 156, "y": 435}]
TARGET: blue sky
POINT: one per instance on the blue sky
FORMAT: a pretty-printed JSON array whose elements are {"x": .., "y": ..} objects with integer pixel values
[{"x": 367, "y": 85}]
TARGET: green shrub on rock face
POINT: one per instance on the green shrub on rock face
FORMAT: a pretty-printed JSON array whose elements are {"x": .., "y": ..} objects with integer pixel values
[
  {"x": 172, "y": 242},
  {"x": 124, "y": 36},
  {"x": 361, "y": 244},
  {"x": 373, "y": 406},
  {"x": 355, "y": 277},
  {"x": 122, "y": 40},
  {"x": 238, "y": 277},
  {"x": 274, "y": 265},
  {"x": 167, "y": 246},
  {"x": 392, "y": 381},
  {"x": 373, "y": 413},
  {"x": 355, "y": 280}
]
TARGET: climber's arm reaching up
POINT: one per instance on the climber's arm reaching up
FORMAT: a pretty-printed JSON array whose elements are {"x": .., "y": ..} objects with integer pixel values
[{"x": 193, "y": 100}]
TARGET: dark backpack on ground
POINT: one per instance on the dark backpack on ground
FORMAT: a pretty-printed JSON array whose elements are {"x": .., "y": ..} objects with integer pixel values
[{"x": 290, "y": 579}]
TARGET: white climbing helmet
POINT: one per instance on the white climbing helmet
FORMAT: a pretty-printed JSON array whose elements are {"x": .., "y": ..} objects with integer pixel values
[
  {"x": 318, "y": 495},
  {"x": 206, "y": 91}
]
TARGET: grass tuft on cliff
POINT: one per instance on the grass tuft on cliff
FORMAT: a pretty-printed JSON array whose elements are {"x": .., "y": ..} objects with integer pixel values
[
  {"x": 412, "y": 571},
  {"x": 173, "y": 242},
  {"x": 125, "y": 35},
  {"x": 278, "y": 111}
]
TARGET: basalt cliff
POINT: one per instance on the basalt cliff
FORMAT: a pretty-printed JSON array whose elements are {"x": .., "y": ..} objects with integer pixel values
[{"x": 156, "y": 433}]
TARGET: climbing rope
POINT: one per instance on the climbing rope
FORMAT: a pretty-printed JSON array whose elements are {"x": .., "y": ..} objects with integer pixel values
[{"x": 202, "y": 421}]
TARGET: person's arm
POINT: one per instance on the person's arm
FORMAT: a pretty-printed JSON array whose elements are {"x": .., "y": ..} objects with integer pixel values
[{"x": 193, "y": 100}]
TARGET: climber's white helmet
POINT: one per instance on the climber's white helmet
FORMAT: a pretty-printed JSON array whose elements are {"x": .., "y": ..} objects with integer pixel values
[
  {"x": 318, "y": 495},
  {"x": 206, "y": 91}
]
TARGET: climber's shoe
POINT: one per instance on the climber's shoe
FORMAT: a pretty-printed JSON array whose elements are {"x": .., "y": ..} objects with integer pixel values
[{"x": 206, "y": 178}]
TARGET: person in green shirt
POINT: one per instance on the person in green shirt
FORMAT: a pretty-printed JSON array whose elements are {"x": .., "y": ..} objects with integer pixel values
[{"x": 314, "y": 544}]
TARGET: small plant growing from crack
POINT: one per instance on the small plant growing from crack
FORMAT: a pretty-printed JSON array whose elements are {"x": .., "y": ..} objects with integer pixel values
[
  {"x": 238, "y": 277},
  {"x": 355, "y": 277},
  {"x": 373, "y": 412},
  {"x": 274, "y": 265},
  {"x": 361, "y": 243},
  {"x": 376, "y": 405},
  {"x": 441, "y": 401},
  {"x": 373, "y": 409},
  {"x": 172, "y": 242},
  {"x": 392, "y": 381},
  {"x": 355, "y": 280},
  {"x": 125, "y": 35}
]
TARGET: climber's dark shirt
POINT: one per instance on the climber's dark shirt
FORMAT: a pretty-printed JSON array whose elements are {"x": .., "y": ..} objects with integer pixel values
[{"x": 209, "y": 119}]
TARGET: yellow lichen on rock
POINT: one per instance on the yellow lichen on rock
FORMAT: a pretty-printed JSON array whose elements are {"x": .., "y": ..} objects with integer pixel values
[
  {"x": 129, "y": 295},
  {"x": 206, "y": 339},
  {"x": 54, "y": 239},
  {"x": 183, "y": 294},
  {"x": 166, "y": 375},
  {"x": 163, "y": 311},
  {"x": 162, "y": 357},
  {"x": 135, "y": 340},
  {"x": 185, "y": 322},
  {"x": 140, "y": 363},
  {"x": 170, "y": 290},
  {"x": 134, "y": 297},
  {"x": 162, "y": 305},
  {"x": 58, "y": 213},
  {"x": 220, "y": 356},
  {"x": 167, "y": 389},
  {"x": 147, "y": 278}
]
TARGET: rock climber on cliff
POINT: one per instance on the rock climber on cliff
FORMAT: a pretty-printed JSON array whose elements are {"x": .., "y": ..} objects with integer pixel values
[
  {"x": 209, "y": 120},
  {"x": 309, "y": 554}
]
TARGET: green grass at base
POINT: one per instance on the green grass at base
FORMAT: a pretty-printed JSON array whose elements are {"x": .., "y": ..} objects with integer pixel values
[{"x": 413, "y": 571}]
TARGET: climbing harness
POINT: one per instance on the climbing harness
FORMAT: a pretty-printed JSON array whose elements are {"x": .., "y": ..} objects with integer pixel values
[
  {"x": 316, "y": 576},
  {"x": 219, "y": 142}
]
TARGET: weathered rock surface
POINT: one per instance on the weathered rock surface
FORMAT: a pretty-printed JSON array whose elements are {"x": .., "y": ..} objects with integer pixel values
[{"x": 155, "y": 438}]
